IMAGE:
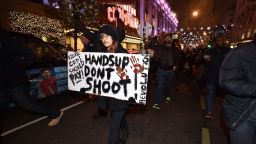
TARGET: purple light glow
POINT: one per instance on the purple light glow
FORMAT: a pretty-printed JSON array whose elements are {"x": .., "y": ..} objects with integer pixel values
[{"x": 167, "y": 10}]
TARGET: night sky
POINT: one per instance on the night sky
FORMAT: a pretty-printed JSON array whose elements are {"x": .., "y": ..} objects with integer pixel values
[{"x": 184, "y": 8}]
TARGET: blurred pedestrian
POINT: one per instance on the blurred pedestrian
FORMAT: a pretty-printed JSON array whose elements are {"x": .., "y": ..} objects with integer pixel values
[
  {"x": 238, "y": 79},
  {"x": 213, "y": 59},
  {"x": 14, "y": 84},
  {"x": 167, "y": 59},
  {"x": 153, "y": 44},
  {"x": 90, "y": 41}
]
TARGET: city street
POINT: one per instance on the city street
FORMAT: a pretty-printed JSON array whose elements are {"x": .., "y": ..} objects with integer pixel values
[
  {"x": 181, "y": 121},
  {"x": 61, "y": 53}
]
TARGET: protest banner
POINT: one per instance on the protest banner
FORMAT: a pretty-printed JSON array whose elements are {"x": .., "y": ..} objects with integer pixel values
[{"x": 116, "y": 75}]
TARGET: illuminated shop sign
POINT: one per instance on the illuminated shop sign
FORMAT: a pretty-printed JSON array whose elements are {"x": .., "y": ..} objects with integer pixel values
[
  {"x": 126, "y": 13},
  {"x": 131, "y": 40}
]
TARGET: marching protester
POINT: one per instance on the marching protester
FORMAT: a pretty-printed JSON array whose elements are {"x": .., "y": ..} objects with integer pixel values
[
  {"x": 238, "y": 79},
  {"x": 109, "y": 40},
  {"x": 14, "y": 84},
  {"x": 90, "y": 41},
  {"x": 213, "y": 58},
  {"x": 167, "y": 60}
]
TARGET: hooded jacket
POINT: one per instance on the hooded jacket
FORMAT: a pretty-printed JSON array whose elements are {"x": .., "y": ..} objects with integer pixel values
[{"x": 114, "y": 104}]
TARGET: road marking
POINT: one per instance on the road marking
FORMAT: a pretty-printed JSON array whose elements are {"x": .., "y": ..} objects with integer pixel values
[
  {"x": 205, "y": 136},
  {"x": 71, "y": 106},
  {"x": 22, "y": 126},
  {"x": 205, "y": 131},
  {"x": 37, "y": 120}
]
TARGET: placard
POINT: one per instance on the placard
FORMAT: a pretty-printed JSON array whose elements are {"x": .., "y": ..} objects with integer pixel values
[{"x": 116, "y": 75}]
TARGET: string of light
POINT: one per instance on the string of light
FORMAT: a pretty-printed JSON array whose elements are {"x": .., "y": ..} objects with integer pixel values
[
  {"x": 197, "y": 36},
  {"x": 38, "y": 26}
]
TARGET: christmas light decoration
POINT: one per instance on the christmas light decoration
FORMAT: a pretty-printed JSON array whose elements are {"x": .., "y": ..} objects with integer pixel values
[
  {"x": 84, "y": 10},
  {"x": 38, "y": 26},
  {"x": 202, "y": 35}
]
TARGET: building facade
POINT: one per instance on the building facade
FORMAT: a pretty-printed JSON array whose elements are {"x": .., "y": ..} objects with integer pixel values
[
  {"x": 154, "y": 16},
  {"x": 244, "y": 20}
]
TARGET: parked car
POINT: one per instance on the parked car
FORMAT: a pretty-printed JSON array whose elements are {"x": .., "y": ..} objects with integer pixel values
[
  {"x": 52, "y": 57},
  {"x": 47, "y": 54}
]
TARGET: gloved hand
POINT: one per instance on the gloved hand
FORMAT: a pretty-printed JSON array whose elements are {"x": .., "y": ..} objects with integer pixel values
[
  {"x": 131, "y": 101},
  {"x": 82, "y": 90}
]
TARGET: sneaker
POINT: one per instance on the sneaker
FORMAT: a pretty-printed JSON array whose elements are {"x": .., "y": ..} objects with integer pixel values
[
  {"x": 209, "y": 115},
  {"x": 168, "y": 100},
  {"x": 156, "y": 106},
  {"x": 55, "y": 121}
]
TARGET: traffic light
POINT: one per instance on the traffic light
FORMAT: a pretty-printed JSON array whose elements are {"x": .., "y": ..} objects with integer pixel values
[{"x": 209, "y": 46}]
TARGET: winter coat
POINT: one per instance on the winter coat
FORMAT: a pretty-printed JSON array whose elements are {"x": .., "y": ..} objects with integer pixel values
[
  {"x": 212, "y": 67},
  {"x": 116, "y": 104},
  {"x": 166, "y": 57},
  {"x": 238, "y": 79}
]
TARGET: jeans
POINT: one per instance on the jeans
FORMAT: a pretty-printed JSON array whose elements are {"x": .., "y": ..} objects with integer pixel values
[
  {"x": 118, "y": 123},
  {"x": 245, "y": 133},
  {"x": 211, "y": 92},
  {"x": 161, "y": 77},
  {"x": 20, "y": 95}
]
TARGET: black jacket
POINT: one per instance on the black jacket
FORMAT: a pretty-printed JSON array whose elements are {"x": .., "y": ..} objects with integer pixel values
[
  {"x": 238, "y": 79},
  {"x": 167, "y": 57},
  {"x": 212, "y": 67},
  {"x": 115, "y": 104}
]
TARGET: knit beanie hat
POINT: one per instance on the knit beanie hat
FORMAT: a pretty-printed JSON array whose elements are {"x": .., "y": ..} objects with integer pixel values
[{"x": 109, "y": 30}]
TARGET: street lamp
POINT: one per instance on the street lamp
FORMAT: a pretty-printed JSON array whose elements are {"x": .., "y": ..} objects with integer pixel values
[
  {"x": 174, "y": 14},
  {"x": 195, "y": 13}
]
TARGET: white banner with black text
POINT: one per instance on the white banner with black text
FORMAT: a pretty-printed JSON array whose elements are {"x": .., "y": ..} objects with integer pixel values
[{"x": 117, "y": 75}]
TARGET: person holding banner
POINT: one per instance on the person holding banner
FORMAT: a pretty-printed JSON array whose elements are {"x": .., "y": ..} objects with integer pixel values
[
  {"x": 90, "y": 41},
  {"x": 167, "y": 60},
  {"x": 109, "y": 40}
]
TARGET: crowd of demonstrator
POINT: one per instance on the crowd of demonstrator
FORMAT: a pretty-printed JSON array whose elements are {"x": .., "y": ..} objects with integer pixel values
[{"x": 209, "y": 66}]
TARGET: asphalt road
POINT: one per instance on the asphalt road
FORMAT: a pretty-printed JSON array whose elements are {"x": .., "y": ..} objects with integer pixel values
[{"x": 179, "y": 122}]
